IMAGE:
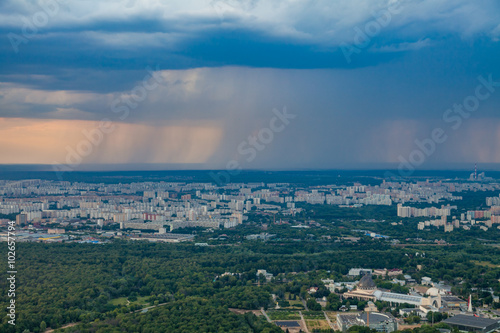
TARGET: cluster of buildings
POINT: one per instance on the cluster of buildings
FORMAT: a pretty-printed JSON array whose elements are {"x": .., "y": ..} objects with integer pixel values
[
  {"x": 366, "y": 290},
  {"x": 385, "y": 322},
  {"x": 143, "y": 206},
  {"x": 484, "y": 219},
  {"x": 382, "y": 322},
  {"x": 424, "y": 212},
  {"x": 166, "y": 206},
  {"x": 493, "y": 201},
  {"x": 387, "y": 193},
  {"x": 422, "y": 300}
]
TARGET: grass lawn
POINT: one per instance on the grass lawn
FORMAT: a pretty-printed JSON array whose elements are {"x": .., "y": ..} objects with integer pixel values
[
  {"x": 123, "y": 301},
  {"x": 485, "y": 263},
  {"x": 293, "y": 302}
]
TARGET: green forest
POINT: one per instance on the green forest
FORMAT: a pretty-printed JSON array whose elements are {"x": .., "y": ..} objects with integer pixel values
[{"x": 104, "y": 287}]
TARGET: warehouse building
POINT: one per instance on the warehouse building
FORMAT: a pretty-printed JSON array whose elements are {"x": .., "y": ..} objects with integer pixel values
[{"x": 470, "y": 323}]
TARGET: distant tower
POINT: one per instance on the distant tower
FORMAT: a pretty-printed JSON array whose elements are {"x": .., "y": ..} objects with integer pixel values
[
  {"x": 469, "y": 309},
  {"x": 475, "y": 171}
]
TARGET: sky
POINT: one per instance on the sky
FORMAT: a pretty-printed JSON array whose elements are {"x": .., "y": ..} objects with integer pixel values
[{"x": 251, "y": 84}]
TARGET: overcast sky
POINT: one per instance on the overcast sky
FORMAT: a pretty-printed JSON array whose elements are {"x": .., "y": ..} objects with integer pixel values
[{"x": 353, "y": 83}]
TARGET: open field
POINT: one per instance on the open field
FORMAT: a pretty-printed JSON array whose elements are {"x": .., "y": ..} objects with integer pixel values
[
  {"x": 332, "y": 315},
  {"x": 295, "y": 304},
  {"x": 283, "y": 315},
  {"x": 317, "y": 324},
  {"x": 241, "y": 311},
  {"x": 485, "y": 264},
  {"x": 123, "y": 301},
  {"x": 318, "y": 315}
]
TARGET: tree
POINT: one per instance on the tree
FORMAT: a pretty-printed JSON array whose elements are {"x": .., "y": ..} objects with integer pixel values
[
  {"x": 43, "y": 326},
  {"x": 434, "y": 317},
  {"x": 313, "y": 305},
  {"x": 132, "y": 297}
]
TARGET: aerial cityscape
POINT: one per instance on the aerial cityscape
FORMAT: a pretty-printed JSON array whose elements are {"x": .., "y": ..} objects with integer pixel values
[
  {"x": 357, "y": 252},
  {"x": 250, "y": 166}
]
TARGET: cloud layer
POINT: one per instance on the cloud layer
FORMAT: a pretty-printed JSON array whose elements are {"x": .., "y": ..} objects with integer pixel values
[{"x": 365, "y": 79}]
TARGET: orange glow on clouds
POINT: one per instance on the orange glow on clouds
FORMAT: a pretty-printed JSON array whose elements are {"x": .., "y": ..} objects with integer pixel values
[{"x": 47, "y": 141}]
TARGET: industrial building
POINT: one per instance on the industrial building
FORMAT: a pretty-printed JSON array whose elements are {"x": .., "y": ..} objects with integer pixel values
[{"x": 469, "y": 323}]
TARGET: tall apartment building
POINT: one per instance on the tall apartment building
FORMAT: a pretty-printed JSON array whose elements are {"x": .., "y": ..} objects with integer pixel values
[{"x": 21, "y": 219}]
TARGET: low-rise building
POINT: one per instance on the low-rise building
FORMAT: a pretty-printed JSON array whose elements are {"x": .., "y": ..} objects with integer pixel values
[
  {"x": 267, "y": 275},
  {"x": 453, "y": 302},
  {"x": 379, "y": 321},
  {"x": 470, "y": 323},
  {"x": 395, "y": 272},
  {"x": 56, "y": 231},
  {"x": 359, "y": 271},
  {"x": 412, "y": 311}
]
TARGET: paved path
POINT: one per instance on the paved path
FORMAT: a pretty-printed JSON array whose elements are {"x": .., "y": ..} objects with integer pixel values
[
  {"x": 305, "y": 304},
  {"x": 65, "y": 326},
  {"x": 328, "y": 320},
  {"x": 265, "y": 315},
  {"x": 304, "y": 321},
  {"x": 147, "y": 308}
]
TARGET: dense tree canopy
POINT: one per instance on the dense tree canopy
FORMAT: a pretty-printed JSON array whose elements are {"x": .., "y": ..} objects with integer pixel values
[{"x": 99, "y": 285}]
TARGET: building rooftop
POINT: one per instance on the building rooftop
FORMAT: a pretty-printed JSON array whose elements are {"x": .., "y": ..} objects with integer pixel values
[
  {"x": 471, "y": 321},
  {"x": 366, "y": 283},
  {"x": 287, "y": 323},
  {"x": 375, "y": 317},
  {"x": 397, "y": 298},
  {"x": 451, "y": 299},
  {"x": 349, "y": 319}
]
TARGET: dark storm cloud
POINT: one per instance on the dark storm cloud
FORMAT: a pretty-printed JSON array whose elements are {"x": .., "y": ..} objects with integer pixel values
[
  {"x": 360, "y": 95},
  {"x": 129, "y": 35}
]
